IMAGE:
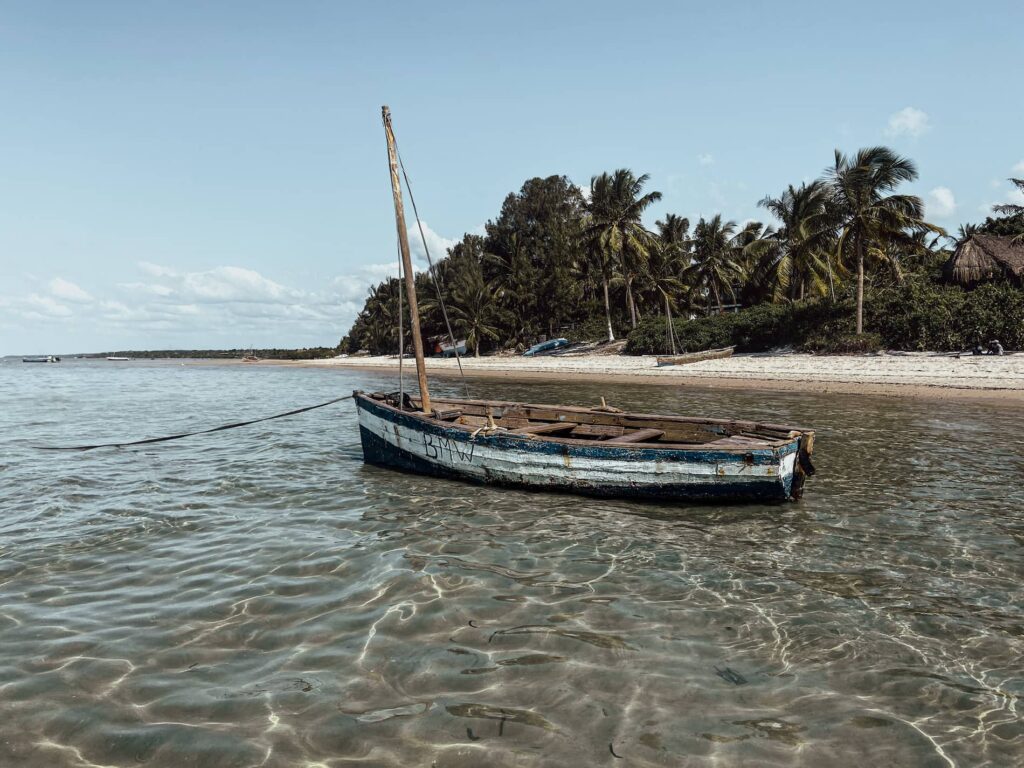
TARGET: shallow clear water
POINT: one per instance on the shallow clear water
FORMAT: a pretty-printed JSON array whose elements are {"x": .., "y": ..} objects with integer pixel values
[{"x": 260, "y": 597}]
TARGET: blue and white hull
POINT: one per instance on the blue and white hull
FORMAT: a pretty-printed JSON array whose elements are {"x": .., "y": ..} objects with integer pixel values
[{"x": 409, "y": 440}]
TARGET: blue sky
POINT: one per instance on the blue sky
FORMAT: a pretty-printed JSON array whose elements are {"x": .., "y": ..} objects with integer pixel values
[{"x": 192, "y": 174}]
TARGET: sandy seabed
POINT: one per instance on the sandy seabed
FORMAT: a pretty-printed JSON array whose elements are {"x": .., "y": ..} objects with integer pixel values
[{"x": 921, "y": 374}]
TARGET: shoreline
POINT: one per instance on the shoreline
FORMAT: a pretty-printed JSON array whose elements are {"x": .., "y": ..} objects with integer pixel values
[{"x": 918, "y": 375}]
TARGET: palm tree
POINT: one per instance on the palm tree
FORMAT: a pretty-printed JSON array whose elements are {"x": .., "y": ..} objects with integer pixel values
[
  {"x": 380, "y": 315},
  {"x": 716, "y": 253},
  {"x": 871, "y": 219},
  {"x": 964, "y": 233},
  {"x": 796, "y": 256},
  {"x": 599, "y": 259},
  {"x": 663, "y": 276},
  {"x": 514, "y": 281},
  {"x": 615, "y": 231},
  {"x": 1012, "y": 209},
  {"x": 473, "y": 308}
]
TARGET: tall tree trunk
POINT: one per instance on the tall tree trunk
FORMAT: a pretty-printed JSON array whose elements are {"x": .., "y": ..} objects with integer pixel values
[
  {"x": 718, "y": 298},
  {"x": 668, "y": 322},
  {"x": 831, "y": 285},
  {"x": 860, "y": 287},
  {"x": 629, "y": 301},
  {"x": 607, "y": 309}
]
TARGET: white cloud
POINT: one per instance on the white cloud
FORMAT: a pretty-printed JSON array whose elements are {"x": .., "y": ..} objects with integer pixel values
[
  {"x": 437, "y": 244},
  {"x": 706, "y": 158},
  {"x": 232, "y": 284},
  {"x": 65, "y": 289},
  {"x": 155, "y": 270},
  {"x": 1019, "y": 167},
  {"x": 224, "y": 307},
  {"x": 909, "y": 121},
  {"x": 45, "y": 305},
  {"x": 941, "y": 202}
]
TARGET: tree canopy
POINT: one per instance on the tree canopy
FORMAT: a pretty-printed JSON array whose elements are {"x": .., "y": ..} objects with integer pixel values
[{"x": 561, "y": 260}]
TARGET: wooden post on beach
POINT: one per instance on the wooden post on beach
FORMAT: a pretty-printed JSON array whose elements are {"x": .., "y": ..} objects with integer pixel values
[{"x": 410, "y": 282}]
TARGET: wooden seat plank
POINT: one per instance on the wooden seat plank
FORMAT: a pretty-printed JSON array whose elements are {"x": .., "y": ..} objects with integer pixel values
[
  {"x": 599, "y": 431},
  {"x": 545, "y": 429},
  {"x": 639, "y": 436}
]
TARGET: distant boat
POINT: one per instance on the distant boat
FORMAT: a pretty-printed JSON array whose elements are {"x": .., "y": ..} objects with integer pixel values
[
  {"x": 596, "y": 451},
  {"x": 546, "y": 346},
  {"x": 41, "y": 359},
  {"x": 696, "y": 357},
  {"x": 449, "y": 350},
  {"x": 251, "y": 357},
  {"x": 116, "y": 359}
]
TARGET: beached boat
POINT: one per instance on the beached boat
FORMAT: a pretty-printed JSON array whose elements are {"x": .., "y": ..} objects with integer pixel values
[
  {"x": 596, "y": 451},
  {"x": 546, "y": 346},
  {"x": 447, "y": 349},
  {"x": 696, "y": 357},
  {"x": 41, "y": 359}
]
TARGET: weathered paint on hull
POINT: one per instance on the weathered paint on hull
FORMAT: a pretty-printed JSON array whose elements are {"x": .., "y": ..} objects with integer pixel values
[{"x": 393, "y": 439}]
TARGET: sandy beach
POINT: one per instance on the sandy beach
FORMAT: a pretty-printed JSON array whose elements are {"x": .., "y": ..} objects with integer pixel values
[{"x": 917, "y": 374}]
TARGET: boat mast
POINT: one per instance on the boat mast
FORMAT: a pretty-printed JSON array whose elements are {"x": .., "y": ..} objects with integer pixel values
[{"x": 410, "y": 282}]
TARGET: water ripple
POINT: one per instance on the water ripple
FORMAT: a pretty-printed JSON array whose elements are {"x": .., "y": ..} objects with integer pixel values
[{"x": 261, "y": 597}]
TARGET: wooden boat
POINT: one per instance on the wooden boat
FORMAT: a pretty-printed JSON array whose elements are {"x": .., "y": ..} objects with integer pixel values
[
  {"x": 448, "y": 349},
  {"x": 595, "y": 451},
  {"x": 546, "y": 346},
  {"x": 696, "y": 357}
]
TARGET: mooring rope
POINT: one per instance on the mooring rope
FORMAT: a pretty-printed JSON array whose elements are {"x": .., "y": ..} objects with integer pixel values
[{"x": 190, "y": 434}]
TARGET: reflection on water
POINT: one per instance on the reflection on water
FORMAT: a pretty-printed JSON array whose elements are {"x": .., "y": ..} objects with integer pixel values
[{"x": 259, "y": 597}]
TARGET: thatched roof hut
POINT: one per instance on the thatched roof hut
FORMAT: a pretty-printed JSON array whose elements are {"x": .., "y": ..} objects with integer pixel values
[{"x": 983, "y": 257}]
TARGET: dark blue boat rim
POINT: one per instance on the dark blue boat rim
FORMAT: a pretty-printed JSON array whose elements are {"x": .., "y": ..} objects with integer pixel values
[{"x": 379, "y": 452}]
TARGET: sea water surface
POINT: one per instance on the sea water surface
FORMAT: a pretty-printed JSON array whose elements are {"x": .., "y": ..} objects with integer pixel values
[{"x": 259, "y": 597}]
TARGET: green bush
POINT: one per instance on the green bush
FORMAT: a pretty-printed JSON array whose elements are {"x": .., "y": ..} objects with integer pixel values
[
  {"x": 846, "y": 344},
  {"x": 757, "y": 329},
  {"x": 593, "y": 329},
  {"x": 918, "y": 315},
  {"x": 650, "y": 337},
  {"x": 915, "y": 315},
  {"x": 993, "y": 311}
]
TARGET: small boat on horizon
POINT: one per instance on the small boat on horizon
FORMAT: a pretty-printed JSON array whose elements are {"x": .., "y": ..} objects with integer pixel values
[
  {"x": 599, "y": 451},
  {"x": 118, "y": 359},
  {"x": 41, "y": 359}
]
